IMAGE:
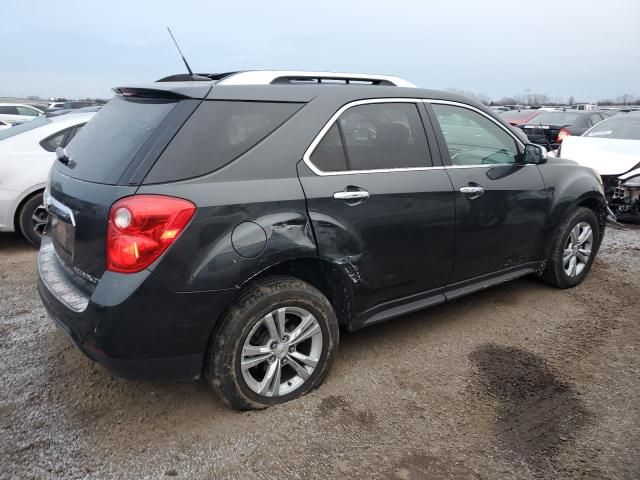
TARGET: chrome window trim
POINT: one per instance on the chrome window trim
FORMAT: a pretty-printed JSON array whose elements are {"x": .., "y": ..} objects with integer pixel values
[
  {"x": 477, "y": 110},
  {"x": 318, "y": 138}
]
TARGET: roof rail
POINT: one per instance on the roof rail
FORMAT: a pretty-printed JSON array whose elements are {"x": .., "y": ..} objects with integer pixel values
[{"x": 267, "y": 77}]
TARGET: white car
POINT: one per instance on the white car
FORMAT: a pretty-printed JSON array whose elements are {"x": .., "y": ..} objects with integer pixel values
[
  {"x": 27, "y": 152},
  {"x": 18, "y": 113},
  {"x": 612, "y": 148},
  {"x": 55, "y": 105},
  {"x": 4, "y": 125}
]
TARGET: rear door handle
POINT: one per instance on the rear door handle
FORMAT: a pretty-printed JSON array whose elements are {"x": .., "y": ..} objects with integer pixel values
[
  {"x": 357, "y": 195},
  {"x": 472, "y": 192}
]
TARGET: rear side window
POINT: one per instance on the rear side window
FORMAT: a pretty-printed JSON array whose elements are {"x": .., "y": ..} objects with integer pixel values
[
  {"x": 103, "y": 149},
  {"x": 217, "y": 133},
  {"x": 50, "y": 144},
  {"x": 8, "y": 110},
  {"x": 374, "y": 137},
  {"x": 31, "y": 112},
  {"x": 60, "y": 139}
]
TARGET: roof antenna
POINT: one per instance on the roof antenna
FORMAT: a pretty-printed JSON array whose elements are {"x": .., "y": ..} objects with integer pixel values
[{"x": 180, "y": 52}]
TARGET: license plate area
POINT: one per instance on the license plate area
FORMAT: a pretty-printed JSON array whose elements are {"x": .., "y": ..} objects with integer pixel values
[{"x": 63, "y": 235}]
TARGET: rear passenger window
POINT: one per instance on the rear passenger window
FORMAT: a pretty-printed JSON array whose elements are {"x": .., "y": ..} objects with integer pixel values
[
  {"x": 8, "y": 110},
  {"x": 329, "y": 154},
  {"x": 373, "y": 137},
  {"x": 217, "y": 133}
]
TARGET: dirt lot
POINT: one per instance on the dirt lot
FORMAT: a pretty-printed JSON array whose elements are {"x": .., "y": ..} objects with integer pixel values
[{"x": 520, "y": 381}]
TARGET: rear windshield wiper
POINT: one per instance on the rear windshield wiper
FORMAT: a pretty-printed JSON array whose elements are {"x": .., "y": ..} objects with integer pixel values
[{"x": 63, "y": 157}]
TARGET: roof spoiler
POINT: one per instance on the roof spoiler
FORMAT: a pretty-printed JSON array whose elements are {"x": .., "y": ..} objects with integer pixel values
[{"x": 147, "y": 93}]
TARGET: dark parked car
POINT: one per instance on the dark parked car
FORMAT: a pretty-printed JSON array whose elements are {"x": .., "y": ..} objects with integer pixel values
[
  {"x": 550, "y": 128},
  {"x": 230, "y": 227}
]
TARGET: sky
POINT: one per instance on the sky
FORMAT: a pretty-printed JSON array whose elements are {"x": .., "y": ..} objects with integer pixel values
[{"x": 588, "y": 49}]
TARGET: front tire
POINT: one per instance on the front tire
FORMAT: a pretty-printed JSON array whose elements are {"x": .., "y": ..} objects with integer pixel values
[
  {"x": 33, "y": 219},
  {"x": 573, "y": 249},
  {"x": 275, "y": 344}
]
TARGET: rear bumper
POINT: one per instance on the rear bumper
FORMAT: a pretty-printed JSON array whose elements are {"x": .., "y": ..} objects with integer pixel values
[{"x": 132, "y": 324}]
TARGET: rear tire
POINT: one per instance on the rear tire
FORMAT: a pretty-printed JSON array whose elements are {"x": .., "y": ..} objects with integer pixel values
[
  {"x": 568, "y": 263},
  {"x": 32, "y": 219},
  {"x": 287, "y": 330}
]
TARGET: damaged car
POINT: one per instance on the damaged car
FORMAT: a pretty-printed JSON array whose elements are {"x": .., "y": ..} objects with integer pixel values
[
  {"x": 230, "y": 225},
  {"x": 612, "y": 148}
]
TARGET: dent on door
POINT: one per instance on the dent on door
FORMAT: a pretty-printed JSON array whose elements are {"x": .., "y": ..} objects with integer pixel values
[{"x": 393, "y": 242}]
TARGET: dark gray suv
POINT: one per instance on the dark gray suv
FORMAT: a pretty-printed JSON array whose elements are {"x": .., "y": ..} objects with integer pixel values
[{"x": 229, "y": 226}]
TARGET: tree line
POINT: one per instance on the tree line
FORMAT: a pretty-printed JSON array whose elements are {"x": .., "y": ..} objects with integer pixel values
[{"x": 536, "y": 99}]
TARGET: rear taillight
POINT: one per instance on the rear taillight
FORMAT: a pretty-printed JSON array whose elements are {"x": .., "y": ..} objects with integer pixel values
[
  {"x": 562, "y": 134},
  {"x": 141, "y": 227}
]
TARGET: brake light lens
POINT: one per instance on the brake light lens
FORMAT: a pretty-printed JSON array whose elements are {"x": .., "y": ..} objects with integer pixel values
[
  {"x": 142, "y": 227},
  {"x": 562, "y": 134}
]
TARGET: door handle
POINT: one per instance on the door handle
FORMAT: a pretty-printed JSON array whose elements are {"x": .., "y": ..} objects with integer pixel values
[
  {"x": 351, "y": 195},
  {"x": 472, "y": 192}
]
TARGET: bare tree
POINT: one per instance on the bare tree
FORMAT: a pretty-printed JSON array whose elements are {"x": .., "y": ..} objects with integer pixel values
[{"x": 506, "y": 101}]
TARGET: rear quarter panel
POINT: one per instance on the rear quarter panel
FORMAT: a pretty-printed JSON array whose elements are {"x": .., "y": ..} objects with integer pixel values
[
  {"x": 261, "y": 187},
  {"x": 204, "y": 257}
]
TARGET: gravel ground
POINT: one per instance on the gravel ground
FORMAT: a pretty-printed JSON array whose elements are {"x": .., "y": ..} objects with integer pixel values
[{"x": 520, "y": 381}]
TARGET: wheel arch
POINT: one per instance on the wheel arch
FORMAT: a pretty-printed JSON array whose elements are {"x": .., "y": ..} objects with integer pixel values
[
  {"x": 599, "y": 206},
  {"x": 573, "y": 186},
  {"x": 592, "y": 200},
  {"x": 329, "y": 278},
  {"x": 20, "y": 201}
]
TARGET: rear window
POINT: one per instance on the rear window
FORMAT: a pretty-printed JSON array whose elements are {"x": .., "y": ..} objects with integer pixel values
[
  {"x": 105, "y": 146},
  {"x": 556, "y": 118},
  {"x": 24, "y": 127},
  {"x": 217, "y": 133},
  {"x": 518, "y": 114},
  {"x": 622, "y": 127}
]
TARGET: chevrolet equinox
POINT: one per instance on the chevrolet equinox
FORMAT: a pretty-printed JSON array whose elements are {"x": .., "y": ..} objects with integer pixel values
[{"x": 228, "y": 225}]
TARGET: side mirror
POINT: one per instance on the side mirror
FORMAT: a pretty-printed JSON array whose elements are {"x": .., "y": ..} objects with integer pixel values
[{"x": 535, "y": 154}]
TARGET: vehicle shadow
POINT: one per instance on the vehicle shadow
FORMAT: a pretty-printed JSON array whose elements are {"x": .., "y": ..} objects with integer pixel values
[
  {"x": 13, "y": 242},
  {"x": 86, "y": 390}
]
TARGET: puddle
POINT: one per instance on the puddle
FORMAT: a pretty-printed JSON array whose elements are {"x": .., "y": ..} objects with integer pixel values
[{"x": 537, "y": 412}]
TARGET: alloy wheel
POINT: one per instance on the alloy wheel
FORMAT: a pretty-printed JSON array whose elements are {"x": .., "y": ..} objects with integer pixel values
[
  {"x": 281, "y": 351},
  {"x": 39, "y": 219},
  {"x": 577, "y": 249}
]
